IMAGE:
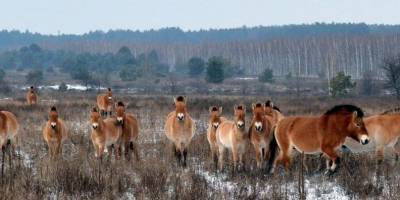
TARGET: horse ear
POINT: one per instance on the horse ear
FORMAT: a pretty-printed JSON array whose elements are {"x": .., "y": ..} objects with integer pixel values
[
  {"x": 174, "y": 100},
  {"x": 253, "y": 106},
  {"x": 220, "y": 110},
  {"x": 355, "y": 115}
]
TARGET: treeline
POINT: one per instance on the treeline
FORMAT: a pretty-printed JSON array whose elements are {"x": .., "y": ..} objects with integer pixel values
[{"x": 317, "y": 50}]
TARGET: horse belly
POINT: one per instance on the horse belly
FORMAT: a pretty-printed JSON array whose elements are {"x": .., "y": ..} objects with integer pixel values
[{"x": 307, "y": 147}]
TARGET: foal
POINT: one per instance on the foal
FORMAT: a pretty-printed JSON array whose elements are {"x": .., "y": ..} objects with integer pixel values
[
  {"x": 130, "y": 130},
  {"x": 105, "y": 103},
  {"x": 31, "y": 96},
  {"x": 180, "y": 128},
  {"x": 232, "y": 135},
  {"x": 214, "y": 121},
  {"x": 260, "y": 133},
  {"x": 55, "y": 132},
  {"x": 105, "y": 134}
]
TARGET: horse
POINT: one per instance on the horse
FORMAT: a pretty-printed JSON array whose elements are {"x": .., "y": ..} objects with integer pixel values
[
  {"x": 316, "y": 134},
  {"x": 105, "y": 103},
  {"x": 260, "y": 132},
  {"x": 233, "y": 136},
  {"x": 214, "y": 121},
  {"x": 105, "y": 134},
  {"x": 273, "y": 111},
  {"x": 384, "y": 129},
  {"x": 31, "y": 96},
  {"x": 180, "y": 129},
  {"x": 55, "y": 133},
  {"x": 8, "y": 130},
  {"x": 130, "y": 130}
]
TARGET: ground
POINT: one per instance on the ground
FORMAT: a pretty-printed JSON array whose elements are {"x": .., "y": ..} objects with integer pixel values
[{"x": 78, "y": 175}]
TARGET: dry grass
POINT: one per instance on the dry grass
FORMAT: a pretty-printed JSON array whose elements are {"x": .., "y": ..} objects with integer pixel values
[{"x": 78, "y": 175}]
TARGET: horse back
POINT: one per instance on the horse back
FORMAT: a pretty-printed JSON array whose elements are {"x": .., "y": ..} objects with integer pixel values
[{"x": 102, "y": 101}]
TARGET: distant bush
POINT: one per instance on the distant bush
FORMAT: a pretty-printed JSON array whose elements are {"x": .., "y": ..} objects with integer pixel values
[
  {"x": 215, "y": 70},
  {"x": 62, "y": 87},
  {"x": 196, "y": 66},
  {"x": 34, "y": 77},
  {"x": 267, "y": 76},
  {"x": 341, "y": 85}
]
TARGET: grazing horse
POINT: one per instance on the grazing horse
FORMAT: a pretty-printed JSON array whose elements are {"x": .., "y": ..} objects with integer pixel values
[
  {"x": 273, "y": 111},
  {"x": 8, "y": 130},
  {"x": 31, "y": 96},
  {"x": 213, "y": 123},
  {"x": 260, "y": 133},
  {"x": 130, "y": 130},
  {"x": 180, "y": 128},
  {"x": 105, "y": 103},
  {"x": 55, "y": 132},
  {"x": 384, "y": 129},
  {"x": 233, "y": 136},
  {"x": 316, "y": 134},
  {"x": 105, "y": 135}
]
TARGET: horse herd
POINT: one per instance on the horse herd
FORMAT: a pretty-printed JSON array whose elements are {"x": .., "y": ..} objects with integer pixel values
[{"x": 272, "y": 135}]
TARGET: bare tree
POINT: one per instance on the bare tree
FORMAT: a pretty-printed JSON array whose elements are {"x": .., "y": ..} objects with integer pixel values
[{"x": 391, "y": 66}]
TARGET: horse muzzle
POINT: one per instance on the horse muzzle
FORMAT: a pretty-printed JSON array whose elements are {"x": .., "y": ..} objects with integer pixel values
[
  {"x": 240, "y": 124},
  {"x": 53, "y": 125},
  {"x": 364, "y": 139},
  {"x": 95, "y": 126},
  {"x": 120, "y": 121},
  {"x": 215, "y": 125},
  {"x": 258, "y": 126}
]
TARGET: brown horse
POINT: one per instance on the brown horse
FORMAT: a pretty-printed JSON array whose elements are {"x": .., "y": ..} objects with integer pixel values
[
  {"x": 105, "y": 103},
  {"x": 233, "y": 136},
  {"x": 130, "y": 130},
  {"x": 384, "y": 129},
  {"x": 273, "y": 111},
  {"x": 55, "y": 132},
  {"x": 325, "y": 133},
  {"x": 31, "y": 96},
  {"x": 180, "y": 128},
  {"x": 8, "y": 130},
  {"x": 105, "y": 135},
  {"x": 260, "y": 133},
  {"x": 214, "y": 121}
]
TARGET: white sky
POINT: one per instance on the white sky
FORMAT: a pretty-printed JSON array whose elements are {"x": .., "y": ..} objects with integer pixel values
[{"x": 80, "y": 16}]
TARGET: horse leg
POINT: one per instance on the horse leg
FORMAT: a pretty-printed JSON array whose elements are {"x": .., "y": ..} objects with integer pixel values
[
  {"x": 331, "y": 154},
  {"x": 396, "y": 153},
  {"x": 178, "y": 154},
  {"x": 221, "y": 151},
  {"x": 234, "y": 158},
  {"x": 241, "y": 161},
  {"x": 3, "y": 149},
  {"x": 127, "y": 147},
  {"x": 379, "y": 153},
  {"x": 184, "y": 156},
  {"x": 258, "y": 159}
]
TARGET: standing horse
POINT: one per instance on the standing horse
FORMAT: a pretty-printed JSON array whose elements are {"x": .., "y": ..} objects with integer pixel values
[
  {"x": 180, "y": 128},
  {"x": 31, "y": 96},
  {"x": 260, "y": 133},
  {"x": 105, "y": 134},
  {"x": 213, "y": 123},
  {"x": 311, "y": 135},
  {"x": 130, "y": 130},
  {"x": 55, "y": 132},
  {"x": 8, "y": 130},
  {"x": 105, "y": 103},
  {"x": 273, "y": 111},
  {"x": 384, "y": 129},
  {"x": 233, "y": 136}
]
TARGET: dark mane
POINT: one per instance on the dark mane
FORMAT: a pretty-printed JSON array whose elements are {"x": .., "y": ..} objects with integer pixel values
[
  {"x": 32, "y": 87},
  {"x": 53, "y": 108},
  {"x": 214, "y": 108},
  {"x": 239, "y": 107},
  {"x": 269, "y": 104},
  {"x": 109, "y": 89},
  {"x": 391, "y": 111},
  {"x": 94, "y": 109},
  {"x": 180, "y": 98},
  {"x": 120, "y": 103},
  {"x": 258, "y": 105},
  {"x": 347, "y": 108}
]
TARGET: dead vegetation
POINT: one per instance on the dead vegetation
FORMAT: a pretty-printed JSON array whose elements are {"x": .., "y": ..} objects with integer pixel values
[{"x": 78, "y": 175}]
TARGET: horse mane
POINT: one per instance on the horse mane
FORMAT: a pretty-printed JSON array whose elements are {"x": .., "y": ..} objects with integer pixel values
[
  {"x": 214, "y": 108},
  {"x": 53, "y": 108},
  {"x": 31, "y": 87},
  {"x": 180, "y": 98},
  {"x": 268, "y": 103},
  {"x": 258, "y": 105},
  {"x": 391, "y": 111},
  {"x": 239, "y": 107},
  {"x": 120, "y": 104},
  {"x": 109, "y": 89},
  {"x": 345, "y": 107}
]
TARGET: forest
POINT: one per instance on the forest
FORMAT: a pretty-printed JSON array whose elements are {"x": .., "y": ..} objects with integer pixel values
[{"x": 315, "y": 50}]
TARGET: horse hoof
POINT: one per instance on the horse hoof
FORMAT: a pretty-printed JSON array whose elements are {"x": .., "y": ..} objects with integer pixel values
[{"x": 329, "y": 172}]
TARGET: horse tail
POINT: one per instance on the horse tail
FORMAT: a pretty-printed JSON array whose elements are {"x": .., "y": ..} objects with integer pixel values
[
  {"x": 391, "y": 111},
  {"x": 273, "y": 148}
]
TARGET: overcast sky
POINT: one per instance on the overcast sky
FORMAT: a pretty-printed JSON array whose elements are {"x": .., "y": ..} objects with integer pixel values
[{"x": 80, "y": 16}]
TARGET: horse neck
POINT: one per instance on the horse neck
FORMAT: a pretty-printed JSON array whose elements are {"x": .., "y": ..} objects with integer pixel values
[{"x": 337, "y": 127}]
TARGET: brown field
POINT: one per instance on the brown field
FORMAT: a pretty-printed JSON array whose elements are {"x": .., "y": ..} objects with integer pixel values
[{"x": 78, "y": 175}]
